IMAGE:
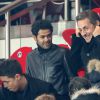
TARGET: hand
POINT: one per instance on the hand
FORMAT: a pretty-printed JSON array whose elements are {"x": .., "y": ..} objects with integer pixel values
[
  {"x": 96, "y": 31},
  {"x": 77, "y": 32}
]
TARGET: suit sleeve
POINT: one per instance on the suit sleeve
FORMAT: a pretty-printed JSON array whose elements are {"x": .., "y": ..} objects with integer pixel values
[{"x": 75, "y": 54}]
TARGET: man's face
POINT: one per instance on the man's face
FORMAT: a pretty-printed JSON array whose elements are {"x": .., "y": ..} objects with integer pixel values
[
  {"x": 10, "y": 83},
  {"x": 44, "y": 38},
  {"x": 86, "y": 29}
]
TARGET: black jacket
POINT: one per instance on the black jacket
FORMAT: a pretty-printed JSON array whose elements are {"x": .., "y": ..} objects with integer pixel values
[
  {"x": 50, "y": 66},
  {"x": 90, "y": 51},
  {"x": 34, "y": 88},
  {"x": 82, "y": 52}
]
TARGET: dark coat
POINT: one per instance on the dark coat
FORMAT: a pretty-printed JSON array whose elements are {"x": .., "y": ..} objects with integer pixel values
[
  {"x": 51, "y": 66},
  {"x": 82, "y": 52},
  {"x": 34, "y": 88},
  {"x": 90, "y": 51}
]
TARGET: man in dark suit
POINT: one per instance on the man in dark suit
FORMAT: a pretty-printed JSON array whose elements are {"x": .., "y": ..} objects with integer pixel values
[
  {"x": 86, "y": 43},
  {"x": 17, "y": 86}
]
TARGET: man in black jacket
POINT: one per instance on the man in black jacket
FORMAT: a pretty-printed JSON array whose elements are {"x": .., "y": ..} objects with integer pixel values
[
  {"x": 16, "y": 86},
  {"x": 49, "y": 62},
  {"x": 87, "y": 45}
]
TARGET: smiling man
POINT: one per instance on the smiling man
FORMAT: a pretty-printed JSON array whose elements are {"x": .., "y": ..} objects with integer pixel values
[{"x": 87, "y": 45}]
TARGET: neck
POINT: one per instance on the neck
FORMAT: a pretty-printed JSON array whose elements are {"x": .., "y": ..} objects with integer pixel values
[
  {"x": 42, "y": 50},
  {"x": 23, "y": 83}
]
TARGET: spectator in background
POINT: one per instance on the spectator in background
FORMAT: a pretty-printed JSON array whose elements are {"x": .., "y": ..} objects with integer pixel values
[
  {"x": 45, "y": 97},
  {"x": 49, "y": 62},
  {"x": 17, "y": 86},
  {"x": 1, "y": 60},
  {"x": 93, "y": 72},
  {"x": 86, "y": 42},
  {"x": 77, "y": 84},
  {"x": 87, "y": 94}
]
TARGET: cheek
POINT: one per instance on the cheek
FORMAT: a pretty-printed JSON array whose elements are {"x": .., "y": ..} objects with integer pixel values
[
  {"x": 50, "y": 39},
  {"x": 12, "y": 84}
]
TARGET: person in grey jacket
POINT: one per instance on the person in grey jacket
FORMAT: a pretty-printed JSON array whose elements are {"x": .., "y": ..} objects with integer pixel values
[{"x": 48, "y": 62}]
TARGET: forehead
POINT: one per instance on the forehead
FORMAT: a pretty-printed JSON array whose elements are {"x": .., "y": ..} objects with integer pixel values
[
  {"x": 5, "y": 78},
  {"x": 83, "y": 23},
  {"x": 44, "y": 32}
]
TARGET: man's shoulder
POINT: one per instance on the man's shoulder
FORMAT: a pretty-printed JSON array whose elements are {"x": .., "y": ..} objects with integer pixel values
[
  {"x": 61, "y": 49},
  {"x": 34, "y": 51},
  {"x": 36, "y": 81}
]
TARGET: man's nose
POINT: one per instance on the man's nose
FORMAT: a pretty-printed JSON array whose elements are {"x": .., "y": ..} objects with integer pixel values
[
  {"x": 46, "y": 38},
  {"x": 83, "y": 32}
]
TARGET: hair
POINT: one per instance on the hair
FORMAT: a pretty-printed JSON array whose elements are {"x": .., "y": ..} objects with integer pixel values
[
  {"x": 92, "y": 16},
  {"x": 93, "y": 71},
  {"x": 10, "y": 67},
  {"x": 41, "y": 24},
  {"x": 78, "y": 83},
  {"x": 90, "y": 94},
  {"x": 93, "y": 65},
  {"x": 46, "y": 97}
]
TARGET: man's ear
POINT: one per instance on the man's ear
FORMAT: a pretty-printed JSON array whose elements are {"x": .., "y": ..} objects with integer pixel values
[
  {"x": 34, "y": 37},
  {"x": 18, "y": 76},
  {"x": 97, "y": 23}
]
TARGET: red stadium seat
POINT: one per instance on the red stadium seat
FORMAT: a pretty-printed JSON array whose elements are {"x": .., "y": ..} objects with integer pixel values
[
  {"x": 97, "y": 10},
  {"x": 21, "y": 55},
  {"x": 67, "y": 35},
  {"x": 81, "y": 72},
  {"x": 63, "y": 46}
]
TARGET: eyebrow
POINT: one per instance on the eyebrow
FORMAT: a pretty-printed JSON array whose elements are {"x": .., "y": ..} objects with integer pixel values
[{"x": 82, "y": 27}]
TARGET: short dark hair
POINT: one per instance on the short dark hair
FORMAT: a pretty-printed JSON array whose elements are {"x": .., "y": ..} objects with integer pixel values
[
  {"x": 10, "y": 67},
  {"x": 92, "y": 16},
  {"x": 78, "y": 83},
  {"x": 41, "y": 24}
]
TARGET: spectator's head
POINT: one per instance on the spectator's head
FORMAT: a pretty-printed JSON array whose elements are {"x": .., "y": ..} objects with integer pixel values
[
  {"x": 90, "y": 94},
  {"x": 11, "y": 75},
  {"x": 78, "y": 83},
  {"x": 1, "y": 61},
  {"x": 93, "y": 71},
  {"x": 86, "y": 22},
  {"x": 42, "y": 33},
  {"x": 46, "y": 97}
]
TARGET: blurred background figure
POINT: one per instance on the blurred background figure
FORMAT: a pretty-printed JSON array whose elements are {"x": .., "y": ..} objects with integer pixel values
[
  {"x": 46, "y": 97},
  {"x": 93, "y": 72},
  {"x": 78, "y": 83},
  {"x": 89, "y": 94}
]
